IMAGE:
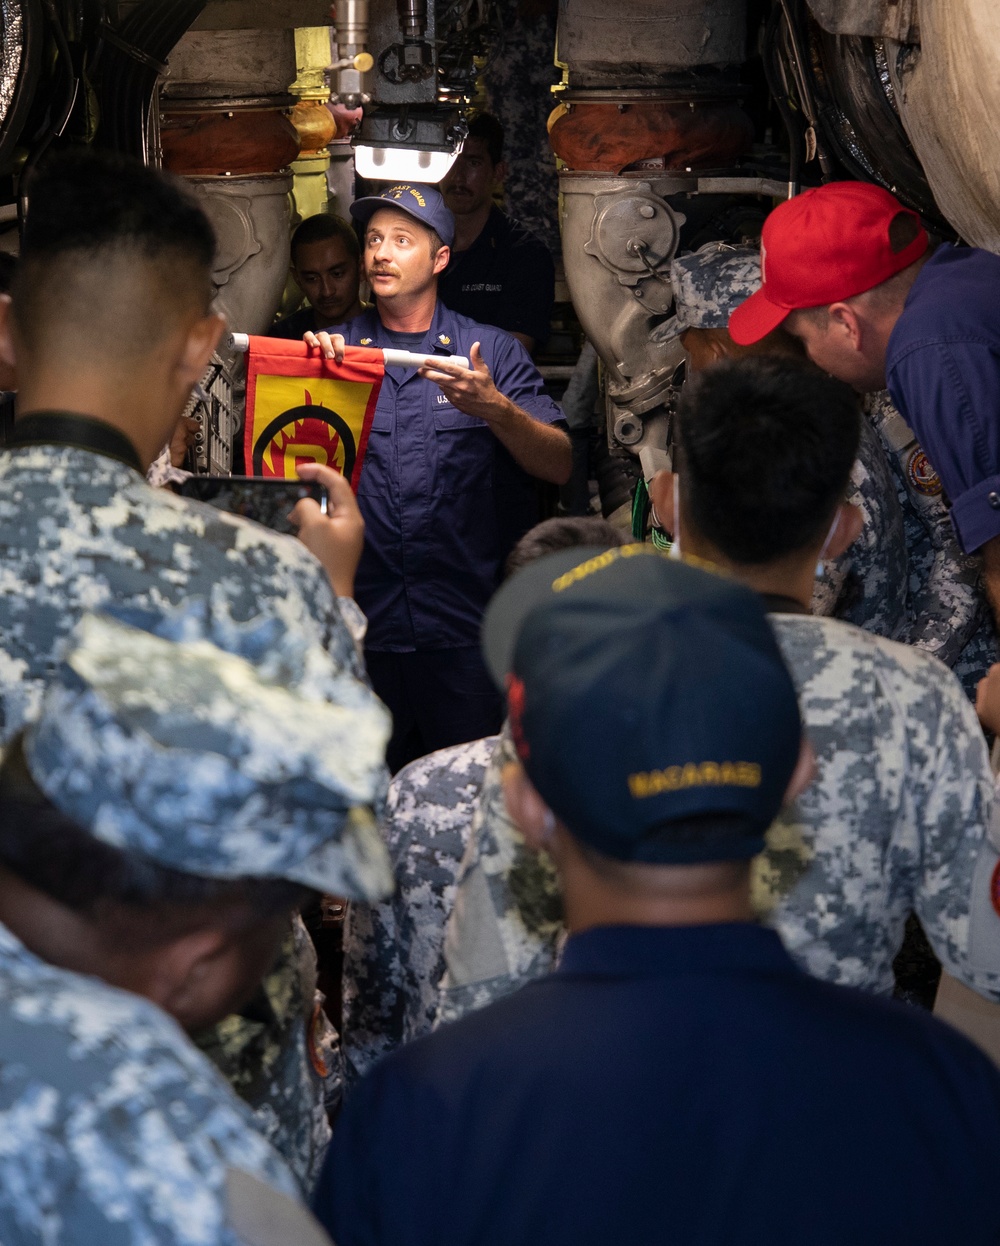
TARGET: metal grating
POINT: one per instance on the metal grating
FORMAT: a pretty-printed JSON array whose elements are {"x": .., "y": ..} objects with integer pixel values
[{"x": 217, "y": 408}]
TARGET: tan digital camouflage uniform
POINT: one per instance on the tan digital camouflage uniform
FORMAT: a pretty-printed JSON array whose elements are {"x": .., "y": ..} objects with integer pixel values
[
  {"x": 906, "y": 576},
  {"x": 394, "y": 951},
  {"x": 282, "y": 1056},
  {"x": 894, "y": 821}
]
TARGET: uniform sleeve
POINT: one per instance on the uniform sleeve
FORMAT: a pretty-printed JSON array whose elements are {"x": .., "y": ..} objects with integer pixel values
[
  {"x": 949, "y": 393},
  {"x": 867, "y": 585},
  {"x": 372, "y": 981},
  {"x": 517, "y": 378},
  {"x": 945, "y": 603},
  {"x": 393, "y": 957},
  {"x": 372, "y": 998},
  {"x": 948, "y": 606},
  {"x": 506, "y": 920},
  {"x": 950, "y": 794}
]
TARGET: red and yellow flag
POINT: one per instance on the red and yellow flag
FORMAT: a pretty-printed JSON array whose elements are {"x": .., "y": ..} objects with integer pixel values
[{"x": 304, "y": 408}]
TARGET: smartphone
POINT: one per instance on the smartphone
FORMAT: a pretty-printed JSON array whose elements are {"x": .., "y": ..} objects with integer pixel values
[{"x": 267, "y": 500}]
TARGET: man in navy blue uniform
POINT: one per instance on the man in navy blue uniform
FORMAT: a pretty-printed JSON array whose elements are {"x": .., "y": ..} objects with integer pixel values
[
  {"x": 447, "y": 486},
  {"x": 848, "y": 270},
  {"x": 499, "y": 272},
  {"x": 677, "y": 1078}
]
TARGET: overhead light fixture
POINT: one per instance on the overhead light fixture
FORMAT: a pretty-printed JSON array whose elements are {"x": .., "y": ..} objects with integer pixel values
[
  {"x": 403, "y": 164},
  {"x": 411, "y": 143}
]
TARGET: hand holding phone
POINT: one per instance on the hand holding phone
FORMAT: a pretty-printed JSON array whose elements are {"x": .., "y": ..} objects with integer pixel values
[{"x": 337, "y": 536}]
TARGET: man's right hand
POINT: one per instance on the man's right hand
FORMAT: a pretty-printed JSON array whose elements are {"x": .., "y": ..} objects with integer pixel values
[
  {"x": 332, "y": 345},
  {"x": 338, "y": 537}
]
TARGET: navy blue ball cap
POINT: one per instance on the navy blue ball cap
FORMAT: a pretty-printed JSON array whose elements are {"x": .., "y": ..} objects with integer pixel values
[
  {"x": 423, "y": 203},
  {"x": 648, "y": 700}
]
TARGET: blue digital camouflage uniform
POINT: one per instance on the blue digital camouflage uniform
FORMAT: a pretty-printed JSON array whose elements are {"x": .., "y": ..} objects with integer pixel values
[
  {"x": 116, "y": 1129},
  {"x": 906, "y": 577},
  {"x": 868, "y": 584},
  {"x": 519, "y": 79},
  {"x": 947, "y": 611},
  {"x": 894, "y": 821},
  {"x": 80, "y": 529}
]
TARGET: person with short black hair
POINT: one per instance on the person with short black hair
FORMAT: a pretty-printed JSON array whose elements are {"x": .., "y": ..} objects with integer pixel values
[
  {"x": 499, "y": 272},
  {"x": 767, "y": 510},
  {"x": 154, "y": 841},
  {"x": 326, "y": 265},
  {"x": 896, "y": 819},
  {"x": 394, "y": 950},
  {"x": 677, "y": 1077},
  {"x": 110, "y": 328}
]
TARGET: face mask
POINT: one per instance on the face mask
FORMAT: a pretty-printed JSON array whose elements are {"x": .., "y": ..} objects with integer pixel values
[{"x": 826, "y": 545}]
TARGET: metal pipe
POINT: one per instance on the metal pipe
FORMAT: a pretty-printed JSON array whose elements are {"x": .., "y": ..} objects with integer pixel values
[
  {"x": 240, "y": 343},
  {"x": 413, "y": 19}
]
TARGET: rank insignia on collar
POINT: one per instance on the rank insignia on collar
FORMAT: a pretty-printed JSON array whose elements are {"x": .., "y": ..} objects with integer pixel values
[
  {"x": 366, "y": 341},
  {"x": 444, "y": 339}
]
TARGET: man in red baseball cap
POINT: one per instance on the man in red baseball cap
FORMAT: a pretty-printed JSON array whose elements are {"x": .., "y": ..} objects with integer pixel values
[{"x": 849, "y": 271}]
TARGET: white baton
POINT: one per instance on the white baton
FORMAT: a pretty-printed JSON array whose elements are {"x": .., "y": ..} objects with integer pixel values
[{"x": 240, "y": 342}]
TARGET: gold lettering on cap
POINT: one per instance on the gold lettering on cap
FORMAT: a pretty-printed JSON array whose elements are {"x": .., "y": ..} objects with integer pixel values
[
  {"x": 706, "y": 774},
  {"x": 598, "y": 563}
]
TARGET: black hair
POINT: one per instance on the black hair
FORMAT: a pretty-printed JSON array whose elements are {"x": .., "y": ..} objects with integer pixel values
[
  {"x": 322, "y": 226},
  {"x": 86, "y": 208},
  {"x": 87, "y": 200},
  {"x": 487, "y": 127},
  {"x": 766, "y": 447},
  {"x": 52, "y": 853},
  {"x": 562, "y": 532}
]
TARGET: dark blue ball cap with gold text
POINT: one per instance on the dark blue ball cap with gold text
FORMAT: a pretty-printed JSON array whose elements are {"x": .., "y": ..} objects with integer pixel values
[
  {"x": 423, "y": 203},
  {"x": 649, "y": 702}
]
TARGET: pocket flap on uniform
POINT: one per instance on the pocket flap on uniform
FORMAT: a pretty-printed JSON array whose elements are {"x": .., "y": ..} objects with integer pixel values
[
  {"x": 382, "y": 421},
  {"x": 450, "y": 419}
]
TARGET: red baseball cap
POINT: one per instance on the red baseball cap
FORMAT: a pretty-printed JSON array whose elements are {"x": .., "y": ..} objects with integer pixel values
[{"x": 822, "y": 246}]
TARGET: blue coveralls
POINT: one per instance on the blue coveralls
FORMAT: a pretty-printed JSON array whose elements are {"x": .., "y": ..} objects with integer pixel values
[{"x": 443, "y": 503}]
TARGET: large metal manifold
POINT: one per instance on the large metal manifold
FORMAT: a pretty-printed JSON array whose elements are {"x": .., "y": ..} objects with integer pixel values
[{"x": 622, "y": 235}]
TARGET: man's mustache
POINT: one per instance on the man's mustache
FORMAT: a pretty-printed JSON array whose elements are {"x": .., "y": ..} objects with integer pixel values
[{"x": 381, "y": 271}]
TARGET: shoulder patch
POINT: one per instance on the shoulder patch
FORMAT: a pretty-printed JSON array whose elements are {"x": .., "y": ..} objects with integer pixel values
[{"x": 921, "y": 475}]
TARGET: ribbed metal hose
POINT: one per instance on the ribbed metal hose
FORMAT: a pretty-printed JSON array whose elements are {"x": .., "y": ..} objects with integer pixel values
[{"x": 132, "y": 62}]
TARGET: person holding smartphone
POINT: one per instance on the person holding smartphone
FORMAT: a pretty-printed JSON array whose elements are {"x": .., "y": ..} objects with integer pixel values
[{"x": 110, "y": 326}]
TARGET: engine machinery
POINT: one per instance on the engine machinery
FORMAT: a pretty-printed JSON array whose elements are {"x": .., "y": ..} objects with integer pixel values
[{"x": 676, "y": 121}]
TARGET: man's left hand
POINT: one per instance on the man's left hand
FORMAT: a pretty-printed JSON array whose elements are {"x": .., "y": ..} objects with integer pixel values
[{"x": 471, "y": 390}]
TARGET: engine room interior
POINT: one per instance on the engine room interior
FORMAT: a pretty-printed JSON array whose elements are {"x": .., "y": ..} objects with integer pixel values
[{"x": 633, "y": 136}]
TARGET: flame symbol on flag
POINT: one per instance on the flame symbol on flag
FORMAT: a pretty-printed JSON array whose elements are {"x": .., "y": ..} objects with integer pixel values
[{"x": 304, "y": 439}]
